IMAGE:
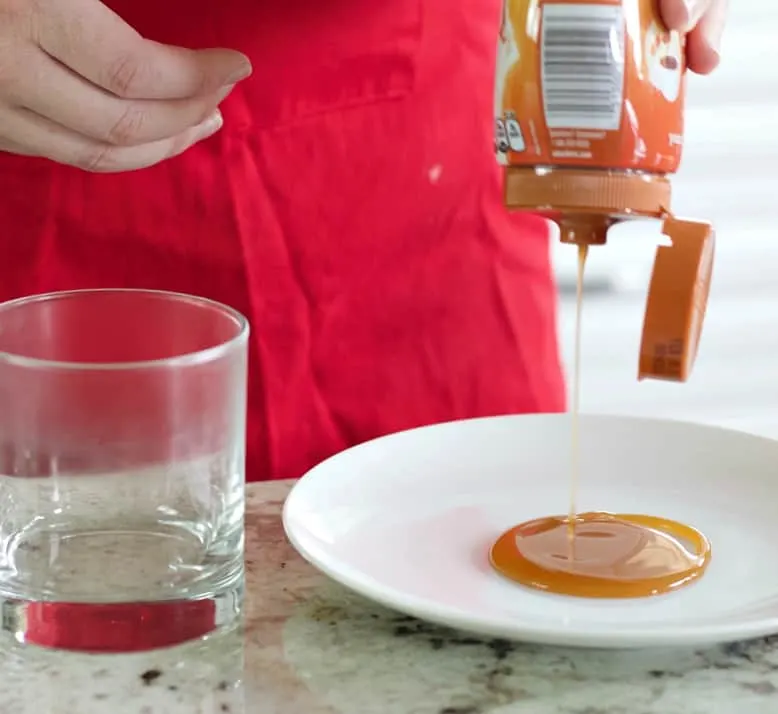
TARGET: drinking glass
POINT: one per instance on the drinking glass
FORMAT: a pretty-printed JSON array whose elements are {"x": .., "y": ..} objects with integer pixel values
[{"x": 122, "y": 438}]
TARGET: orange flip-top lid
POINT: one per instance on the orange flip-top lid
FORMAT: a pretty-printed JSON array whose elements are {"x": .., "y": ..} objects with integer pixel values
[{"x": 677, "y": 298}]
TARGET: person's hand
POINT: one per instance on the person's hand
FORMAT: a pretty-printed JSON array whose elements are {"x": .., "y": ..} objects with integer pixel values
[
  {"x": 81, "y": 87},
  {"x": 703, "y": 20}
]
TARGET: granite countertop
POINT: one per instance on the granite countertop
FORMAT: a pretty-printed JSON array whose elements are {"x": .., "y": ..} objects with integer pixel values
[{"x": 309, "y": 647}]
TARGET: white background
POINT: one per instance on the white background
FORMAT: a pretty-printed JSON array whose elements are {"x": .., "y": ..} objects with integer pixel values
[{"x": 729, "y": 175}]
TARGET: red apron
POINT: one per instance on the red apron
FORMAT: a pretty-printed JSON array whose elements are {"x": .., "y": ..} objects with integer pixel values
[{"x": 350, "y": 208}]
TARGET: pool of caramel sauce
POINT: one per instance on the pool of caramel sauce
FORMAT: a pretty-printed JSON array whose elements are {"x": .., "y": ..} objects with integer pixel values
[
  {"x": 613, "y": 555},
  {"x": 599, "y": 555}
]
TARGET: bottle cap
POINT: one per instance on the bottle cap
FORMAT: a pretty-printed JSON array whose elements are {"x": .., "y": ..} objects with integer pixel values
[
  {"x": 677, "y": 298},
  {"x": 572, "y": 191}
]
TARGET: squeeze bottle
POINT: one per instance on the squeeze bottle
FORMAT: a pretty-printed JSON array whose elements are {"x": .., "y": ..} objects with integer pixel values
[{"x": 589, "y": 110}]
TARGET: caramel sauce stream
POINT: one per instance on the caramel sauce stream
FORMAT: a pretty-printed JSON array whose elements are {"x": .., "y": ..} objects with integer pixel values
[
  {"x": 575, "y": 446},
  {"x": 599, "y": 555}
]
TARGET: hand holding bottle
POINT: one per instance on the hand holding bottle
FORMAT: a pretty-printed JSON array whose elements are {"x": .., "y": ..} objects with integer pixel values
[{"x": 704, "y": 22}]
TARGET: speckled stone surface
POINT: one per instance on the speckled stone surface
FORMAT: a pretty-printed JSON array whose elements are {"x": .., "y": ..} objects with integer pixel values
[{"x": 308, "y": 647}]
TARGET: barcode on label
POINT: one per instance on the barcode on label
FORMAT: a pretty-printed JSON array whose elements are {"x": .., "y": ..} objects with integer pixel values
[{"x": 582, "y": 65}]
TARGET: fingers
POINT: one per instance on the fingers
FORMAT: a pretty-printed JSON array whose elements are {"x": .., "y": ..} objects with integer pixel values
[
  {"x": 67, "y": 99},
  {"x": 703, "y": 20},
  {"x": 36, "y": 136},
  {"x": 97, "y": 44},
  {"x": 703, "y": 46},
  {"x": 683, "y": 15},
  {"x": 81, "y": 87}
]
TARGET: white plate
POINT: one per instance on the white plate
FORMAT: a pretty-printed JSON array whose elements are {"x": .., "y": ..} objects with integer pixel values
[{"x": 407, "y": 521}]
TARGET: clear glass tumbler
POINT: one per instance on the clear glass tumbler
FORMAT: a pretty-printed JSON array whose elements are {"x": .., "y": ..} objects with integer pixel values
[{"x": 122, "y": 438}]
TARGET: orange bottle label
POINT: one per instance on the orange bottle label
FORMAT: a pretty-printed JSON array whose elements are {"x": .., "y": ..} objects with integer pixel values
[{"x": 589, "y": 84}]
